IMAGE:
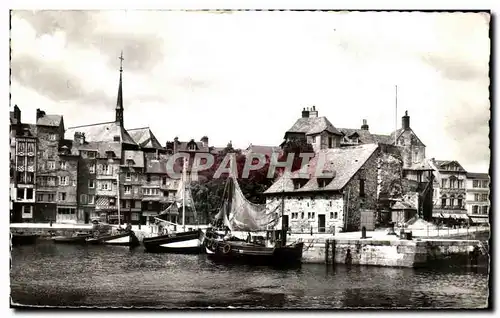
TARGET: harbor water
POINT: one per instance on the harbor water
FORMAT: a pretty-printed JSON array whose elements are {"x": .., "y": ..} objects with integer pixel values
[{"x": 48, "y": 274}]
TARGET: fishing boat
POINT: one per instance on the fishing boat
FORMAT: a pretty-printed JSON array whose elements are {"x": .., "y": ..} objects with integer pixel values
[
  {"x": 266, "y": 243},
  {"x": 77, "y": 238},
  {"x": 119, "y": 236},
  {"x": 177, "y": 240},
  {"x": 21, "y": 238}
]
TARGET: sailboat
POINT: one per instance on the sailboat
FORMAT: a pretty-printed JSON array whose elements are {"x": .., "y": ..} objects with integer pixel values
[
  {"x": 124, "y": 237},
  {"x": 268, "y": 244},
  {"x": 180, "y": 242}
]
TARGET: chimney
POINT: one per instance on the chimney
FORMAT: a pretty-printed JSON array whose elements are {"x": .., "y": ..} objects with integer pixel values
[
  {"x": 204, "y": 141},
  {"x": 313, "y": 112},
  {"x": 305, "y": 113},
  {"x": 79, "y": 137},
  {"x": 176, "y": 141},
  {"x": 17, "y": 114},
  {"x": 39, "y": 113},
  {"x": 365, "y": 125},
  {"x": 406, "y": 121}
]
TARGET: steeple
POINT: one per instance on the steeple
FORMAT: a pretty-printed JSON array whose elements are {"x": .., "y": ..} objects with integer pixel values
[{"x": 119, "y": 99}]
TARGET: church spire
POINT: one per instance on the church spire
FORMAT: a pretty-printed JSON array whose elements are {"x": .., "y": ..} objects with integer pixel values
[{"x": 119, "y": 100}]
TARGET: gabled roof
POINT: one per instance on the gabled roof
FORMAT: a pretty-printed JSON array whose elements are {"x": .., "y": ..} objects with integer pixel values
[
  {"x": 184, "y": 146},
  {"x": 50, "y": 120},
  {"x": 136, "y": 156},
  {"x": 343, "y": 162},
  {"x": 424, "y": 166},
  {"x": 313, "y": 125},
  {"x": 103, "y": 132},
  {"x": 145, "y": 138},
  {"x": 366, "y": 137},
  {"x": 478, "y": 175},
  {"x": 441, "y": 165}
]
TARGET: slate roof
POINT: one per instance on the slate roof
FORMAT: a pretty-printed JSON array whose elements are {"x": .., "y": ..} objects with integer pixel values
[
  {"x": 136, "y": 155},
  {"x": 101, "y": 147},
  {"x": 313, "y": 125},
  {"x": 103, "y": 132},
  {"x": 424, "y": 166},
  {"x": 343, "y": 162},
  {"x": 265, "y": 150},
  {"x": 144, "y": 137},
  {"x": 13, "y": 120},
  {"x": 478, "y": 175},
  {"x": 50, "y": 120},
  {"x": 366, "y": 137}
]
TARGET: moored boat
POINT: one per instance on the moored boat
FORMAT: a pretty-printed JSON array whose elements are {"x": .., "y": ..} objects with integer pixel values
[
  {"x": 180, "y": 243},
  {"x": 77, "y": 238},
  {"x": 125, "y": 238}
]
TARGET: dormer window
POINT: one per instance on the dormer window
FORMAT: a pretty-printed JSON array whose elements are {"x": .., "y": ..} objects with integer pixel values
[
  {"x": 110, "y": 154},
  {"x": 192, "y": 147},
  {"x": 130, "y": 162},
  {"x": 116, "y": 138},
  {"x": 323, "y": 182}
]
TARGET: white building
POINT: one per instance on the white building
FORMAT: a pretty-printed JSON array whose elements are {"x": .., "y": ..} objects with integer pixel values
[{"x": 477, "y": 197}]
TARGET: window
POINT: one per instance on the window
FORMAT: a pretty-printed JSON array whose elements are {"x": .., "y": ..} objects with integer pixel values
[
  {"x": 91, "y": 184},
  {"x": 164, "y": 180},
  {"x": 444, "y": 183},
  {"x": 29, "y": 177},
  {"x": 475, "y": 209},
  {"x": 51, "y": 165},
  {"x": 91, "y": 154},
  {"x": 63, "y": 165},
  {"x": 21, "y": 147},
  {"x": 476, "y": 196},
  {"x": 486, "y": 183},
  {"x": 137, "y": 204},
  {"x": 20, "y": 194},
  {"x": 29, "y": 194},
  {"x": 302, "y": 215},
  {"x": 105, "y": 185},
  {"x": 92, "y": 168},
  {"x": 52, "y": 137},
  {"x": 128, "y": 176},
  {"x": 39, "y": 197},
  {"x": 484, "y": 197},
  {"x": 62, "y": 196},
  {"x": 485, "y": 209},
  {"x": 123, "y": 204},
  {"x": 31, "y": 161},
  {"x": 192, "y": 147},
  {"x": 459, "y": 202},
  {"x": 361, "y": 188},
  {"x": 314, "y": 139},
  {"x": 107, "y": 169},
  {"x": 31, "y": 147},
  {"x": 91, "y": 198},
  {"x": 50, "y": 197},
  {"x": 127, "y": 189},
  {"x": 330, "y": 142},
  {"x": 148, "y": 178},
  {"x": 475, "y": 183},
  {"x": 83, "y": 198},
  {"x": 452, "y": 201},
  {"x": 150, "y": 206},
  {"x": 63, "y": 181},
  {"x": 443, "y": 201},
  {"x": 27, "y": 211}
]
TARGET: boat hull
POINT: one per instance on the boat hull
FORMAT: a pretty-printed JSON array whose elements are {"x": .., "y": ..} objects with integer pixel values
[
  {"x": 23, "y": 239},
  {"x": 123, "y": 239},
  {"x": 178, "y": 243},
  {"x": 71, "y": 240},
  {"x": 253, "y": 254}
]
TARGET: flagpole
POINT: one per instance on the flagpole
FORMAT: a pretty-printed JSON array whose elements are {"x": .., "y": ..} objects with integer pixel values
[{"x": 396, "y": 118}]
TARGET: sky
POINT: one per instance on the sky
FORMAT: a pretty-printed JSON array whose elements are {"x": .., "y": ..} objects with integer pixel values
[{"x": 245, "y": 77}]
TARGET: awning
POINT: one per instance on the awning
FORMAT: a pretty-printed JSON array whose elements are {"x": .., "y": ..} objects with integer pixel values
[
  {"x": 462, "y": 216},
  {"x": 149, "y": 213},
  {"x": 480, "y": 220}
]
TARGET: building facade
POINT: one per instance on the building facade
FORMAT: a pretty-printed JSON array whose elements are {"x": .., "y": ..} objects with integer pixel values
[{"x": 478, "y": 197}]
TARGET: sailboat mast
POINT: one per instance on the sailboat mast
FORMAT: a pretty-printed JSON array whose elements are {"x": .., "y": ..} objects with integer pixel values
[
  {"x": 184, "y": 195},
  {"x": 118, "y": 195}
]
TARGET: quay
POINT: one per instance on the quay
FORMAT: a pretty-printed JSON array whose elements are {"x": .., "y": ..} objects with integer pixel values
[{"x": 378, "y": 248}]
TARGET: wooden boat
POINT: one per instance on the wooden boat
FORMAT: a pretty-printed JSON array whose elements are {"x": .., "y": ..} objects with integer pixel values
[
  {"x": 188, "y": 242},
  {"x": 21, "y": 238},
  {"x": 251, "y": 218},
  {"x": 126, "y": 238},
  {"x": 255, "y": 253},
  {"x": 77, "y": 238},
  {"x": 178, "y": 242}
]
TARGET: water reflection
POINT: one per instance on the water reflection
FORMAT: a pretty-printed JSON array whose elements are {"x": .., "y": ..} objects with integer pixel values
[{"x": 58, "y": 275}]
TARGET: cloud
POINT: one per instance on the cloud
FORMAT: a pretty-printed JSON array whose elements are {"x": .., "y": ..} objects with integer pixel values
[
  {"x": 93, "y": 30},
  {"x": 50, "y": 80}
]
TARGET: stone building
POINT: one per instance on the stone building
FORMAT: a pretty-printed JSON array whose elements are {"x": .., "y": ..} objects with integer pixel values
[
  {"x": 450, "y": 192},
  {"x": 477, "y": 199},
  {"x": 338, "y": 203}
]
